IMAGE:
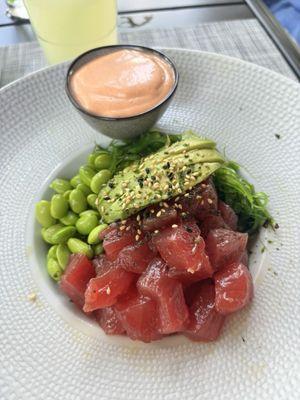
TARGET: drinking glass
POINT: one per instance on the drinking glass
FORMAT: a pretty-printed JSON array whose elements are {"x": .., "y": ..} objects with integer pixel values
[{"x": 67, "y": 28}]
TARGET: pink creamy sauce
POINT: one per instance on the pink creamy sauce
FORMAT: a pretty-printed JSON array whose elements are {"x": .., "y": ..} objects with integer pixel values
[{"x": 123, "y": 83}]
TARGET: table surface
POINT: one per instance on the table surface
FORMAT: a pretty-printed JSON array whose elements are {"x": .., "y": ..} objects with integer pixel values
[{"x": 211, "y": 25}]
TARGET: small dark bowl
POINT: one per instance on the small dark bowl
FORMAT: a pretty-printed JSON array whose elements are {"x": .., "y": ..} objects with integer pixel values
[{"x": 124, "y": 127}]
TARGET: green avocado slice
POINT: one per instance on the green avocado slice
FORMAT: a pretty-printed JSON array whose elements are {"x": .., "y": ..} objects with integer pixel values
[{"x": 170, "y": 172}]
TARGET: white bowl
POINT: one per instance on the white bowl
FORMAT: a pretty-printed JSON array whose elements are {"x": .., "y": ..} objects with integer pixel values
[{"x": 47, "y": 350}]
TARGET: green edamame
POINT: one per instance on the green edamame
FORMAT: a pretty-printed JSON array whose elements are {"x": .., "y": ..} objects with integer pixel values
[
  {"x": 52, "y": 252},
  {"x": 63, "y": 234},
  {"x": 90, "y": 212},
  {"x": 91, "y": 199},
  {"x": 78, "y": 246},
  {"x": 98, "y": 249},
  {"x": 86, "y": 174},
  {"x": 103, "y": 161},
  {"x": 67, "y": 194},
  {"x": 75, "y": 181},
  {"x": 63, "y": 254},
  {"x": 59, "y": 206},
  {"x": 77, "y": 201},
  {"x": 99, "y": 179},
  {"x": 86, "y": 224},
  {"x": 54, "y": 269},
  {"x": 84, "y": 188},
  {"x": 70, "y": 218},
  {"x": 47, "y": 233},
  {"x": 43, "y": 215},
  {"x": 93, "y": 237},
  {"x": 60, "y": 185},
  {"x": 91, "y": 159}
]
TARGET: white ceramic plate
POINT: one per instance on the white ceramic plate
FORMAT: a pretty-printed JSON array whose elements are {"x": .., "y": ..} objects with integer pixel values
[{"x": 47, "y": 350}]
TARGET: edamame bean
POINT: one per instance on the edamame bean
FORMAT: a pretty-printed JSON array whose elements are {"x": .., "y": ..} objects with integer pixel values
[
  {"x": 91, "y": 159},
  {"x": 84, "y": 188},
  {"x": 69, "y": 219},
  {"x": 47, "y": 233},
  {"x": 91, "y": 199},
  {"x": 98, "y": 249},
  {"x": 86, "y": 224},
  {"x": 43, "y": 215},
  {"x": 86, "y": 174},
  {"x": 67, "y": 194},
  {"x": 60, "y": 185},
  {"x": 63, "y": 234},
  {"x": 54, "y": 269},
  {"x": 77, "y": 201},
  {"x": 100, "y": 179},
  {"x": 52, "y": 252},
  {"x": 103, "y": 161},
  {"x": 78, "y": 246},
  {"x": 90, "y": 212},
  {"x": 63, "y": 254},
  {"x": 75, "y": 181},
  {"x": 93, "y": 237},
  {"x": 59, "y": 206}
]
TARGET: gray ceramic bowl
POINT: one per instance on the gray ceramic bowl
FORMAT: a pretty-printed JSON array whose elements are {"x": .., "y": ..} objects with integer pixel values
[{"x": 124, "y": 127}]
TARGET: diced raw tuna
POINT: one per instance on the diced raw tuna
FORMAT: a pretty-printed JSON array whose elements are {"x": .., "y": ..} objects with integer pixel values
[
  {"x": 138, "y": 315},
  {"x": 187, "y": 278},
  {"x": 135, "y": 258},
  {"x": 151, "y": 222},
  {"x": 116, "y": 240},
  {"x": 228, "y": 215},
  {"x": 181, "y": 247},
  {"x": 103, "y": 290},
  {"x": 205, "y": 322},
  {"x": 224, "y": 247},
  {"x": 109, "y": 229},
  {"x": 212, "y": 222},
  {"x": 245, "y": 258},
  {"x": 202, "y": 200},
  {"x": 77, "y": 275},
  {"x": 167, "y": 292},
  {"x": 234, "y": 288},
  {"x": 109, "y": 321}
]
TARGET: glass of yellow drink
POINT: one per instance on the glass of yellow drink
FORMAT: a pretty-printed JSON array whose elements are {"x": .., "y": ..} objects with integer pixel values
[{"x": 67, "y": 28}]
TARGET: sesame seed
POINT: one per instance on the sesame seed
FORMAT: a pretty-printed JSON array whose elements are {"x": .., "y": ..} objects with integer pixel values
[
  {"x": 198, "y": 197},
  {"x": 163, "y": 210},
  {"x": 152, "y": 211},
  {"x": 156, "y": 231},
  {"x": 139, "y": 231},
  {"x": 127, "y": 229},
  {"x": 158, "y": 214},
  {"x": 191, "y": 271},
  {"x": 138, "y": 218},
  {"x": 166, "y": 187},
  {"x": 165, "y": 204},
  {"x": 203, "y": 185},
  {"x": 174, "y": 226},
  {"x": 137, "y": 237},
  {"x": 108, "y": 291},
  {"x": 180, "y": 206},
  {"x": 209, "y": 201},
  {"x": 122, "y": 227},
  {"x": 186, "y": 195},
  {"x": 32, "y": 297}
]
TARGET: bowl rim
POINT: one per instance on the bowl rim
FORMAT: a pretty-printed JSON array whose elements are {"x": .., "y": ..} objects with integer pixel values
[{"x": 78, "y": 106}]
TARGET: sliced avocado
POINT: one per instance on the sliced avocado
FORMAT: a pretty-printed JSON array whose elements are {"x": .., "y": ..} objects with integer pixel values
[{"x": 171, "y": 171}]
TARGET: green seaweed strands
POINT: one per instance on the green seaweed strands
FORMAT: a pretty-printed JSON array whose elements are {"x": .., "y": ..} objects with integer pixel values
[{"x": 250, "y": 206}]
